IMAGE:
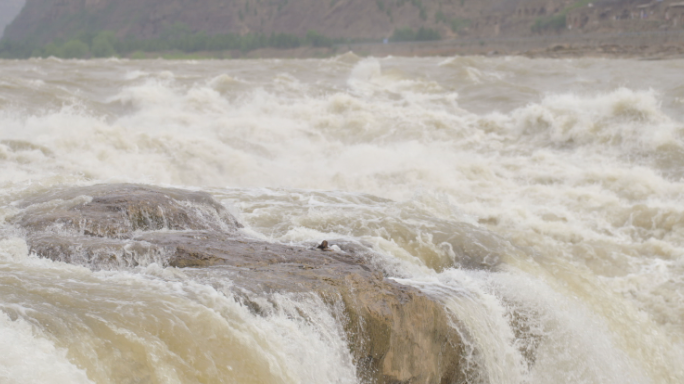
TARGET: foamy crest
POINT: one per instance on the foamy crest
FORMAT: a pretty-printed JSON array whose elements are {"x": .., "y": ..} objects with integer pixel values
[
  {"x": 28, "y": 357},
  {"x": 617, "y": 119},
  {"x": 563, "y": 340},
  {"x": 159, "y": 325}
]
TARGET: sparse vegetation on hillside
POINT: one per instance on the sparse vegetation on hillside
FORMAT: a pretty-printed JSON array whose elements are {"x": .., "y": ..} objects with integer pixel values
[
  {"x": 458, "y": 24},
  {"x": 558, "y": 21},
  {"x": 177, "y": 37},
  {"x": 408, "y": 34},
  {"x": 154, "y": 27}
]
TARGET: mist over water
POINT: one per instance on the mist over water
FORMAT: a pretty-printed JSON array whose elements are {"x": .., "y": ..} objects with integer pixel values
[{"x": 565, "y": 176}]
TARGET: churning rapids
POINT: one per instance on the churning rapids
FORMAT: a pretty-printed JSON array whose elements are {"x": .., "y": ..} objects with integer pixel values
[{"x": 491, "y": 220}]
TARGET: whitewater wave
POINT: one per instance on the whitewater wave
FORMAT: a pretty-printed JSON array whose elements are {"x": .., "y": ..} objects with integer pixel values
[{"x": 555, "y": 191}]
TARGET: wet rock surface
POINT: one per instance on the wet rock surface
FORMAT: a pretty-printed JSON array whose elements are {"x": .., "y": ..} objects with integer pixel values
[
  {"x": 396, "y": 333},
  {"x": 116, "y": 211}
]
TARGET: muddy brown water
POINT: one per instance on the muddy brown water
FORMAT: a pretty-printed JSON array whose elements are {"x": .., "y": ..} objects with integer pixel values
[{"x": 537, "y": 203}]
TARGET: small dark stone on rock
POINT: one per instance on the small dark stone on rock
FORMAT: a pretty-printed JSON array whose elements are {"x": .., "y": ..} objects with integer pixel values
[{"x": 323, "y": 246}]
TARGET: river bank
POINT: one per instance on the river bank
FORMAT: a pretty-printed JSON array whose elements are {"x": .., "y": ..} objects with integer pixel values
[
  {"x": 645, "y": 45},
  {"x": 651, "y": 45}
]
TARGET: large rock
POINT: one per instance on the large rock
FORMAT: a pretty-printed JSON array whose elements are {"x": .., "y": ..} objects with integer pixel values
[
  {"x": 117, "y": 211},
  {"x": 396, "y": 333}
]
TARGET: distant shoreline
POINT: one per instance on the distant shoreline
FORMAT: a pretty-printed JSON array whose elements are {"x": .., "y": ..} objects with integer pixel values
[
  {"x": 645, "y": 45},
  {"x": 648, "y": 45}
]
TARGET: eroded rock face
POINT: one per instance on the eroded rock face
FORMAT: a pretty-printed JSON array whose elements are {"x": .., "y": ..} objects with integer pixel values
[{"x": 396, "y": 333}]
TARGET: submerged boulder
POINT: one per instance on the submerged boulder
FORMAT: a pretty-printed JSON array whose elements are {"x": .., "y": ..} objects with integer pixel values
[{"x": 396, "y": 333}]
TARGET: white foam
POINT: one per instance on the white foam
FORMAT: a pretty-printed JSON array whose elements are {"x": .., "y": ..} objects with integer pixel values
[
  {"x": 573, "y": 163},
  {"x": 30, "y": 358},
  {"x": 161, "y": 324}
]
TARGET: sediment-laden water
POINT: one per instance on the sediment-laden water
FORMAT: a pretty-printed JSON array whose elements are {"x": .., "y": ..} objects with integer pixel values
[{"x": 540, "y": 202}]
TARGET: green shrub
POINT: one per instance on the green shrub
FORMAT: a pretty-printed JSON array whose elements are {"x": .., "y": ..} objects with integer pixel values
[
  {"x": 458, "y": 24},
  {"x": 176, "y": 37},
  {"x": 408, "y": 34},
  {"x": 280, "y": 40},
  {"x": 16, "y": 50},
  {"x": 558, "y": 21},
  {"x": 103, "y": 44},
  {"x": 74, "y": 49},
  {"x": 403, "y": 34},
  {"x": 426, "y": 34},
  {"x": 555, "y": 23},
  {"x": 138, "y": 55},
  {"x": 52, "y": 49},
  {"x": 317, "y": 40}
]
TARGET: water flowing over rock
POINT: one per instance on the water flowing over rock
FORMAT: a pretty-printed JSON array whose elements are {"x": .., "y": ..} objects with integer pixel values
[{"x": 396, "y": 334}]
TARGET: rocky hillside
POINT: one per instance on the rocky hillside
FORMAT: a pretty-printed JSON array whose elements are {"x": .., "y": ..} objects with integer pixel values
[
  {"x": 43, "y": 21},
  {"x": 9, "y": 9},
  {"x": 627, "y": 16}
]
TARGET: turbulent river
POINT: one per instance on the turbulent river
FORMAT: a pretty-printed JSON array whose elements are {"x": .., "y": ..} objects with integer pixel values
[{"x": 566, "y": 174}]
